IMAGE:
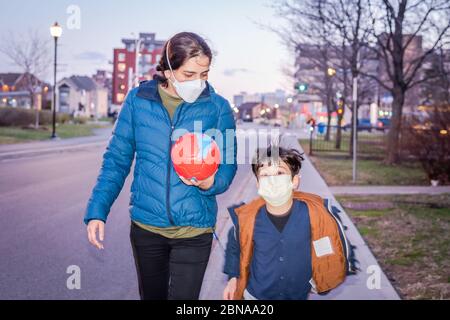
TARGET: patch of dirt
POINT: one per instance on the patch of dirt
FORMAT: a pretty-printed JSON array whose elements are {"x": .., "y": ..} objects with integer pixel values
[
  {"x": 413, "y": 249},
  {"x": 33, "y": 128}
]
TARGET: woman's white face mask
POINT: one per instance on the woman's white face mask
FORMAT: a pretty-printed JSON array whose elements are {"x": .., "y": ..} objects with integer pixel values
[
  {"x": 190, "y": 90},
  {"x": 276, "y": 189}
]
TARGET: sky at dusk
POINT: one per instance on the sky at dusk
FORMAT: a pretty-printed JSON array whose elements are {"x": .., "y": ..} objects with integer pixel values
[{"x": 249, "y": 58}]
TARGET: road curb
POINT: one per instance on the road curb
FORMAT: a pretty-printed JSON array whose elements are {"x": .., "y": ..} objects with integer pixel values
[{"x": 39, "y": 152}]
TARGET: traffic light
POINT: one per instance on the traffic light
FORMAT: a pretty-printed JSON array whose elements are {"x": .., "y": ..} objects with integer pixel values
[
  {"x": 340, "y": 106},
  {"x": 301, "y": 87}
]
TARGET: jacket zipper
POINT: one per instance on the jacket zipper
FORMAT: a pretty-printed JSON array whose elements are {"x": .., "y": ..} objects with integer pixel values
[{"x": 172, "y": 127}]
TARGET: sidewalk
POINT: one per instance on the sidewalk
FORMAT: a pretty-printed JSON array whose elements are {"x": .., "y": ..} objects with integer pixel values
[
  {"x": 13, "y": 151},
  {"x": 382, "y": 190},
  {"x": 354, "y": 288}
]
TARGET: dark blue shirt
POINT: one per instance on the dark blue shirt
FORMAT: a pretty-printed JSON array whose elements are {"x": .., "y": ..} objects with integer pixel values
[{"x": 281, "y": 263}]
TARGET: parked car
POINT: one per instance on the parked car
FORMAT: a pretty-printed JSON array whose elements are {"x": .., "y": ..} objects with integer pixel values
[
  {"x": 247, "y": 118},
  {"x": 114, "y": 110},
  {"x": 383, "y": 124},
  {"x": 363, "y": 125}
]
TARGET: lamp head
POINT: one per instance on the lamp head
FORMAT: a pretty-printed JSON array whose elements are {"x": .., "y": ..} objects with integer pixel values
[{"x": 56, "y": 30}]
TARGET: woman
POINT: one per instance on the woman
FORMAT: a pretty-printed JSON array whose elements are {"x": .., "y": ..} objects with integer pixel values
[{"x": 172, "y": 218}]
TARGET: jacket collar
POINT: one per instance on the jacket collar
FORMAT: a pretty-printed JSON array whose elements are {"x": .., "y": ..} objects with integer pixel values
[
  {"x": 149, "y": 90},
  {"x": 257, "y": 203}
]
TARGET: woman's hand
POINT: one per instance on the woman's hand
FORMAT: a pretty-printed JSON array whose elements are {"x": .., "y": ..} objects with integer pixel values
[
  {"x": 204, "y": 184},
  {"x": 92, "y": 228},
  {"x": 230, "y": 289}
]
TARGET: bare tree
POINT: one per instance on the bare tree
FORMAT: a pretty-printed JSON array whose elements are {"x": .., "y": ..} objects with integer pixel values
[
  {"x": 336, "y": 29},
  {"x": 436, "y": 90},
  {"x": 431, "y": 144},
  {"x": 350, "y": 21},
  {"x": 308, "y": 35},
  {"x": 379, "y": 30},
  {"x": 31, "y": 55},
  {"x": 396, "y": 27}
]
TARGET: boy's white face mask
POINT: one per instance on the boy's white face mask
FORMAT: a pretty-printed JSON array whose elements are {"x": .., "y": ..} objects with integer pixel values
[
  {"x": 189, "y": 91},
  {"x": 276, "y": 189}
]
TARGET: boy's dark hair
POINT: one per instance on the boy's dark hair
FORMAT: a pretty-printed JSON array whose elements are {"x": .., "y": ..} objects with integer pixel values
[{"x": 292, "y": 157}]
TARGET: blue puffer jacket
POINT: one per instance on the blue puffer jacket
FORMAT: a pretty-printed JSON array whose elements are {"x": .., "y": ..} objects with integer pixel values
[{"x": 158, "y": 196}]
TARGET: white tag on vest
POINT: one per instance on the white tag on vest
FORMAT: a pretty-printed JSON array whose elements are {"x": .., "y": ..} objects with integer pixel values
[{"x": 323, "y": 247}]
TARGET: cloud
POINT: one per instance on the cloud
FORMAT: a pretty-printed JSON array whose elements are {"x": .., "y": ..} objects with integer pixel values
[
  {"x": 91, "y": 56},
  {"x": 233, "y": 72}
]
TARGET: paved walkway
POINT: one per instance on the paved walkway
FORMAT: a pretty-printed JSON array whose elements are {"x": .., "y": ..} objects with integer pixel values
[
  {"x": 354, "y": 288},
  {"x": 364, "y": 190},
  {"x": 19, "y": 150}
]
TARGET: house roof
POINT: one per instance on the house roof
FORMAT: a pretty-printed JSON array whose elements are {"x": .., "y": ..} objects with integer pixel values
[
  {"x": 9, "y": 79},
  {"x": 82, "y": 83},
  {"x": 19, "y": 80}
]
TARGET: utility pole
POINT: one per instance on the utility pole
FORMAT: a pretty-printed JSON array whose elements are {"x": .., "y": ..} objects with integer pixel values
[
  {"x": 355, "y": 115},
  {"x": 134, "y": 81}
]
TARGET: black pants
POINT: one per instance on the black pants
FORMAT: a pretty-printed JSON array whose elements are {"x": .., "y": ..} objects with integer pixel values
[{"x": 169, "y": 268}]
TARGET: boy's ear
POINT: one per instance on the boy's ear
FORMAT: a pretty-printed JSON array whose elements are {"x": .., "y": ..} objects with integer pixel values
[{"x": 295, "y": 182}]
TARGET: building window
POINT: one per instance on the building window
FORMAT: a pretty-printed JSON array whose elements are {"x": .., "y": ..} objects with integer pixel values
[
  {"x": 121, "y": 57},
  {"x": 120, "y": 97},
  {"x": 131, "y": 47},
  {"x": 148, "y": 59},
  {"x": 146, "y": 68},
  {"x": 64, "y": 95},
  {"x": 121, "y": 67}
]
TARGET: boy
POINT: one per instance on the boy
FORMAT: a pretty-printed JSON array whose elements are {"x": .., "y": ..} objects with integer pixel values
[{"x": 285, "y": 242}]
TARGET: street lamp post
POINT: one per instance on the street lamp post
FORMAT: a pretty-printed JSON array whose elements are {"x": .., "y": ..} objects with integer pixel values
[
  {"x": 56, "y": 32},
  {"x": 291, "y": 118},
  {"x": 355, "y": 118},
  {"x": 137, "y": 49}
]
